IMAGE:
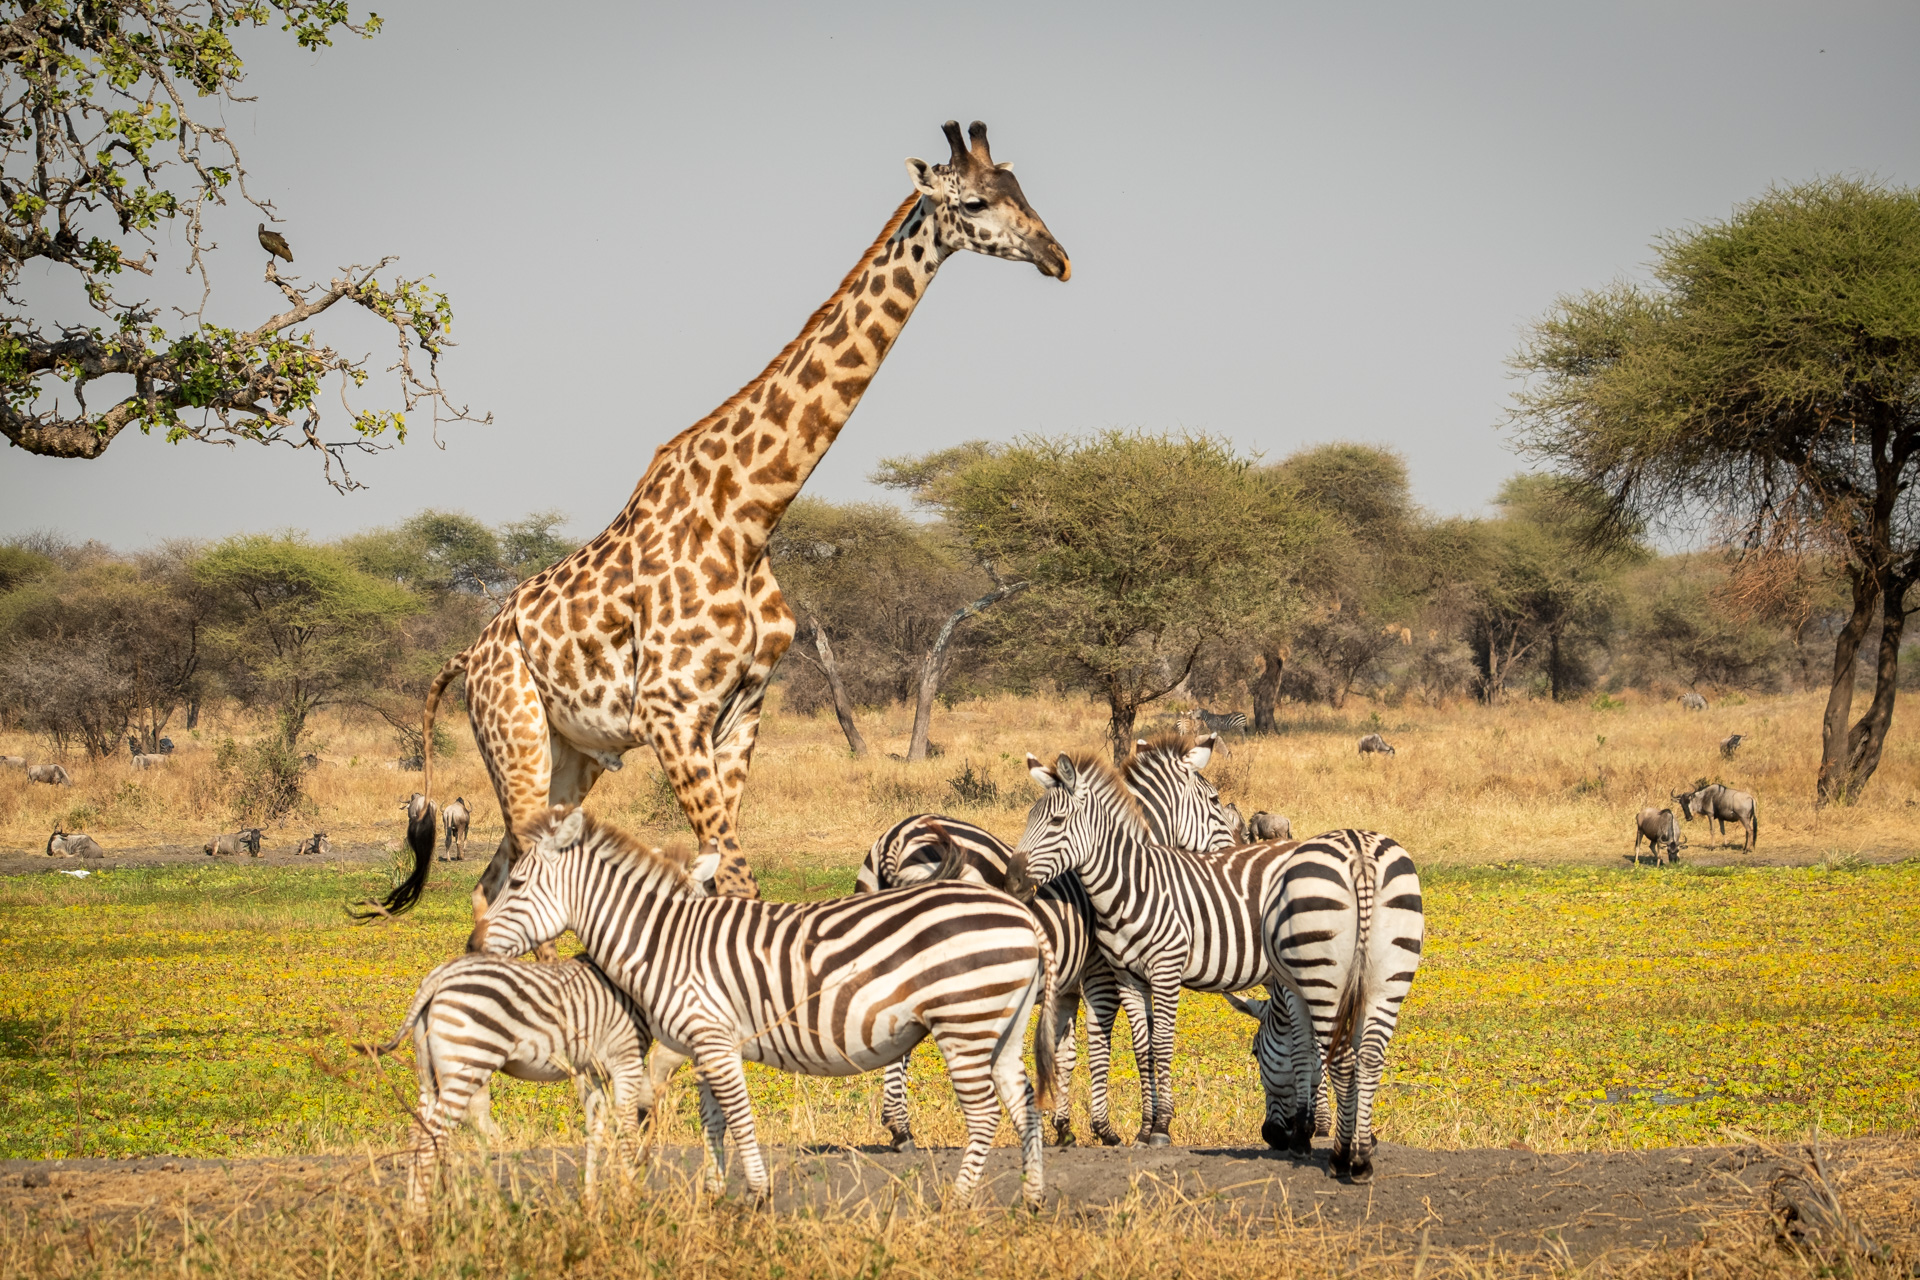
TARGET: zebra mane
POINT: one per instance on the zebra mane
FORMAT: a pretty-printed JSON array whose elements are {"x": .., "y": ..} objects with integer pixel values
[
  {"x": 1168, "y": 742},
  {"x": 609, "y": 843},
  {"x": 1106, "y": 776}
]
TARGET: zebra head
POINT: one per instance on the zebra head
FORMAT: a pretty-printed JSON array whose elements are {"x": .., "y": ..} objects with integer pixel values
[
  {"x": 1183, "y": 808},
  {"x": 532, "y": 908},
  {"x": 1084, "y": 808}
]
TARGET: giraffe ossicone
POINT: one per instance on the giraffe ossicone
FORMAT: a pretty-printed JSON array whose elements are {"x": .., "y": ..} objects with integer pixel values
[{"x": 665, "y": 629}]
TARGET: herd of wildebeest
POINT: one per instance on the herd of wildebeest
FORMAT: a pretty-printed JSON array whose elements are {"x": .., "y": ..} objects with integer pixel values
[{"x": 1658, "y": 826}]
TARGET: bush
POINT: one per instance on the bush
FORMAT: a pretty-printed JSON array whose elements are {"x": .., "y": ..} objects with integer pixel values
[
  {"x": 975, "y": 789},
  {"x": 261, "y": 781}
]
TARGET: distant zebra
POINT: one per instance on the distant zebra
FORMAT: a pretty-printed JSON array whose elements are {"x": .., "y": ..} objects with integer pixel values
[
  {"x": 1691, "y": 701},
  {"x": 822, "y": 988},
  {"x": 1334, "y": 922},
  {"x": 1220, "y": 721},
  {"x": 474, "y": 1016},
  {"x": 1182, "y": 807}
]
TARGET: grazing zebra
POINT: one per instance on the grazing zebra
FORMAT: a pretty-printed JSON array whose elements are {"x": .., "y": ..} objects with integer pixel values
[
  {"x": 1183, "y": 809},
  {"x": 1273, "y": 1055},
  {"x": 1334, "y": 922},
  {"x": 475, "y": 1015},
  {"x": 1691, "y": 701},
  {"x": 821, "y": 988}
]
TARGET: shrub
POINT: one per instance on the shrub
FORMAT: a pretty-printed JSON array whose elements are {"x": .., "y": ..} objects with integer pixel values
[{"x": 261, "y": 781}]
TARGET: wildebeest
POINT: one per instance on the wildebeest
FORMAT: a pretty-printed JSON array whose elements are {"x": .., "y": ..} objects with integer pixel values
[
  {"x": 1722, "y": 804},
  {"x": 457, "y": 818},
  {"x": 1269, "y": 826},
  {"x": 1657, "y": 827},
  {"x": 247, "y": 838},
  {"x": 52, "y": 774},
  {"x": 1730, "y": 744},
  {"x": 62, "y": 845},
  {"x": 316, "y": 843},
  {"x": 1374, "y": 744},
  {"x": 1691, "y": 701},
  {"x": 13, "y": 762}
]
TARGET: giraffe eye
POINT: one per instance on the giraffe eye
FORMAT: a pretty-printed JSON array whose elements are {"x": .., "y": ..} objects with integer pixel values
[{"x": 974, "y": 205}]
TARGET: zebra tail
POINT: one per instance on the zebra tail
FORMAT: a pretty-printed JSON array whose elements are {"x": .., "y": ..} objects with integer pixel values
[
  {"x": 420, "y": 829},
  {"x": 421, "y": 999},
  {"x": 1351, "y": 1010},
  {"x": 1043, "y": 1036},
  {"x": 953, "y": 860}
]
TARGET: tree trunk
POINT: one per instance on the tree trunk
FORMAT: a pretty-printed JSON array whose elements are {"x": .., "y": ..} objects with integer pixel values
[
  {"x": 842, "y": 705},
  {"x": 193, "y": 714},
  {"x": 1121, "y": 712},
  {"x": 1266, "y": 692},
  {"x": 1866, "y": 738},
  {"x": 1556, "y": 679},
  {"x": 933, "y": 668},
  {"x": 1833, "y": 727}
]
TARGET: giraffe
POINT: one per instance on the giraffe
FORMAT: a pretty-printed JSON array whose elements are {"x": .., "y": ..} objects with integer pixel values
[{"x": 666, "y": 628}]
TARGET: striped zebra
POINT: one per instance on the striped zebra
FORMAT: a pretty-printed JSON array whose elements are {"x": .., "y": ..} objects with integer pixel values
[
  {"x": 1220, "y": 721},
  {"x": 1332, "y": 926},
  {"x": 474, "y": 1016},
  {"x": 1183, "y": 810},
  {"x": 823, "y": 988}
]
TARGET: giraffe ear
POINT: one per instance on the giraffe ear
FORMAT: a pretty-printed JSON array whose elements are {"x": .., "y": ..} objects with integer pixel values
[{"x": 922, "y": 174}]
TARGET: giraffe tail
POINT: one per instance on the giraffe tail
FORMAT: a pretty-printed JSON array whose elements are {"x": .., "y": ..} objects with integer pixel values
[{"x": 421, "y": 824}]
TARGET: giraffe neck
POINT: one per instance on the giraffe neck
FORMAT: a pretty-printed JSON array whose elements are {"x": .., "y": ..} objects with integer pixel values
[{"x": 748, "y": 458}]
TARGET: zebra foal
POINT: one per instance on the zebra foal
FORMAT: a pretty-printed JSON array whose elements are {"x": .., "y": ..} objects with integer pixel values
[
  {"x": 824, "y": 988},
  {"x": 1307, "y": 920},
  {"x": 475, "y": 1015},
  {"x": 1182, "y": 808}
]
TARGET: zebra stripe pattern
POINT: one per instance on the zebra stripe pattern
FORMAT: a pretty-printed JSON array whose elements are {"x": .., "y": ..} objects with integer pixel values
[
  {"x": 825, "y": 988},
  {"x": 1183, "y": 809},
  {"x": 474, "y": 1016},
  {"x": 1298, "y": 918},
  {"x": 1221, "y": 721}
]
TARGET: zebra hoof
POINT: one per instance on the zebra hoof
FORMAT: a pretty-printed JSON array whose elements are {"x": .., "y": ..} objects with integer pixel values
[
  {"x": 903, "y": 1143},
  {"x": 1108, "y": 1138},
  {"x": 1063, "y": 1135},
  {"x": 1159, "y": 1140},
  {"x": 1276, "y": 1136}
]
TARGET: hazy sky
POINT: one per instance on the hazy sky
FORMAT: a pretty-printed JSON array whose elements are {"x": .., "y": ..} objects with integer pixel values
[{"x": 1289, "y": 224}]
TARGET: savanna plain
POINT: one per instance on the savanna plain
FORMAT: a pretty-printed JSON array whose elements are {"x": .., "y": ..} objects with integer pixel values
[{"x": 1571, "y": 1003}]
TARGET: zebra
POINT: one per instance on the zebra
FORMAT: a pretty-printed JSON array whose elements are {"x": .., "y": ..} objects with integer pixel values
[
  {"x": 1374, "y": 744},
  {"x": 475, "y": 1015},
  {"x": 1183, "y": 809},
  {"x": 1273, "y": 1056},
  {"x": 1220, "y": 721},
  {"x": 822, "y": 988},
  {"x": 1692, "y": 701},
  {"x": 1334, "y": 923}
]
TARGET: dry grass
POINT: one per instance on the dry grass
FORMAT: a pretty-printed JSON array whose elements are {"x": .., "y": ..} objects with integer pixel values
[{"x": 1536, "y": 782}]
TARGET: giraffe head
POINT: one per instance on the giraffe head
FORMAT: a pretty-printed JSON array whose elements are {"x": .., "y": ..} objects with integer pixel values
[{"x": 977, "y": 205}]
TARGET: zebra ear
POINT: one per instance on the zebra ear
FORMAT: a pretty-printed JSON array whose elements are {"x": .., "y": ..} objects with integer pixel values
[
  {"x": 1202, "y": 752},
  {"x": 1064, "y": 768},
  {"x": 568, "y": 833},
  {"x": 1041, "y": 774},
  {"x": 704, "y": 867}
]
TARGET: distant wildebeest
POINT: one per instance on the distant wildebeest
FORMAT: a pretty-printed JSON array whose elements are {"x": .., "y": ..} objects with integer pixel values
[
  {"x": 309, "y": 762},
  {"x": 1374, "y": 744},
  {"x": 13, "y": 762},
  {"x": 1722, "y": 804},
  {"x": 62, "y": 845},
  {"x": 1657, "y": 827},
  {"x": 1268, "y": 826},
  {"x": 232, "y": 843},
  {"x": 317, "y": 843},
  {"x": 457, "y": 818},
  {"x": 1730, "y": 744},
  {"x": 164, "y": 747},
  {"x": 1691, "y": 701},
  {"x": 52, "y": 774},
  {"x": 408, "y": 764}
]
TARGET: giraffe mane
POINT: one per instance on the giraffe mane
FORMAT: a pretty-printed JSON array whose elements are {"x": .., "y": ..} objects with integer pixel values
[
  {"x": 1103, "y": 769},
  {"x": 814, "y": 322},
  {"x": 609, "y": 843}
]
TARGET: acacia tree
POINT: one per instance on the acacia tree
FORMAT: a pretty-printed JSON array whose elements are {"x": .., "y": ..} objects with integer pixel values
[
  {"x": 301, "y": 627},
  {"x": 1140, "y": 551},
  {"x": 1767, "y": 383},
  {"x": 110, "y": 126}
]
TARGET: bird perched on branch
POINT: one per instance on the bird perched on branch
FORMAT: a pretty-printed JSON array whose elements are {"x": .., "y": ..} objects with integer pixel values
[{"x": 275, "y": 243}]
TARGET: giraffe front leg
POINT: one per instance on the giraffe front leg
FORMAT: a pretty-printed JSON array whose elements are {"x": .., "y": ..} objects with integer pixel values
[{"x": 693, "y": 769}]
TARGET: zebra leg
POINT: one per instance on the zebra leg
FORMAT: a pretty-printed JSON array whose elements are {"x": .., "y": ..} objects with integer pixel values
[
  {"x": 1016, "y": 1095},
  {"x": 1372, "y": 1066},
  {"x": 1274, "y": 1058},
  {"x": 1102, "y": 996},
  {"x": 593, "y": 1103},
  {"x": 972, "y": 1073},
  {"x": 1066, "y": 1014},
  {"x": 437, "y": 1114},
  {"x": 726, "y": 1109},
  {"x": 661, "y": 1064},
  {"x": 480, "y": 1112},
  {"x": 1343, "y": 1074},
  {"x": 1166, "y": 1000},
  {"x": 1304, "y": 1052},
  {"x": 1137, "y": 1000},
  {"x": 893, "y": 1105}
]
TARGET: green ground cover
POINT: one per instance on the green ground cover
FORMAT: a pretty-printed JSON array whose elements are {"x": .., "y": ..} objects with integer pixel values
[{"x": 210, "y": 1011}]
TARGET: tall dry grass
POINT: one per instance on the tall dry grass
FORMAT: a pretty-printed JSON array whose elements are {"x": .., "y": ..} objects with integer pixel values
[{"x": 1531, "y": 781}]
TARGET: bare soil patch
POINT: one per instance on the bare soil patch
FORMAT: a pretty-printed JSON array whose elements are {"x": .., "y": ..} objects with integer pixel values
[{"x": 1518, "y": 1202}]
